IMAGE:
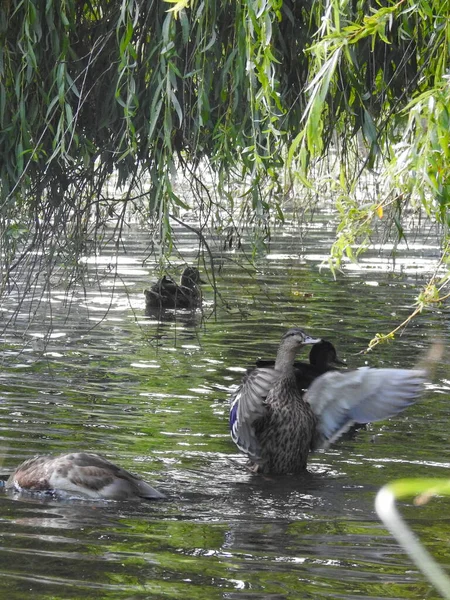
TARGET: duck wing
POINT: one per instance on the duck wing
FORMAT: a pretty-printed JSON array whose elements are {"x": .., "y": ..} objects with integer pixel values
[
  {"x": 165, "y": 285},
  {"x": 162, "y": 294},
  {"x": 248, "y": 405},
  {"x": 361, "y": 396},
  {"x": 93, "y": 474}
]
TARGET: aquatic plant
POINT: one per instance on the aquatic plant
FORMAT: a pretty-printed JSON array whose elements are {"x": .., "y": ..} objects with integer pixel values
[{"x": 385, "y": 504}]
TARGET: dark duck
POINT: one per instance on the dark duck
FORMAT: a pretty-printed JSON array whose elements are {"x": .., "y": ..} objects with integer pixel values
[
  {"x": 322, "y": 358},
  {"x": 166, "y": 293},
  {"x": 276, "y": 425},
  {"x": 80, "y": 474}
]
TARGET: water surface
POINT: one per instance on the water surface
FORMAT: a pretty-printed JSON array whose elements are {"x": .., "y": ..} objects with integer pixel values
[{"x": 152, "y": 396}]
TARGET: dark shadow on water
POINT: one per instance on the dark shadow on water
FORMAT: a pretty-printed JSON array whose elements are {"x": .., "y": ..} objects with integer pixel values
[{"x": 187, "y": 317}]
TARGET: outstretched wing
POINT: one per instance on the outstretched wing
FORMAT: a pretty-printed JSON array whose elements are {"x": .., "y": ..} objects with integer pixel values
[
  {"x": 365, "y": 395},
  {"x": 248, "y": 404}
]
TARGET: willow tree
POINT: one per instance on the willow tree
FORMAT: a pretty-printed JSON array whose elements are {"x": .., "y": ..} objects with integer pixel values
[{"x": 270, "y": 95}]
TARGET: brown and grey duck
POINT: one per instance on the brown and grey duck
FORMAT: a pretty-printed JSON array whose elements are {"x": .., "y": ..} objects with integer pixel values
[
  {"x": 80, "y": 474},
  {"x": 277, "y": 426},
  {"x": 166, "y": 293}
]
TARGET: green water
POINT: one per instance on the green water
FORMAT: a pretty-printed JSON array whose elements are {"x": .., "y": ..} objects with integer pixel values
[{"x": 153, "y": 397}]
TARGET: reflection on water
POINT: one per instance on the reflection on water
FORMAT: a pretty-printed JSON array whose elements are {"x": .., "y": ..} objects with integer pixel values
[{"x": 150, "y": 393}]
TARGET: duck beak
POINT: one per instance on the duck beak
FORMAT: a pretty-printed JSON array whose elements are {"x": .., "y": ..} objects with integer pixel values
[
  {"x": 310, "y": 340},
  {"x": 338, "y": 362}
]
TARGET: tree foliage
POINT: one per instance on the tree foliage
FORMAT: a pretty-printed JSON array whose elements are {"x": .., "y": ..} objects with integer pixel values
[{"x": 269, "y": 94}]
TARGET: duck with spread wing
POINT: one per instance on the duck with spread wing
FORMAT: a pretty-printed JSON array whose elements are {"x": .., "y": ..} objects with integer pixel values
[{"x": 276, "y": 425}]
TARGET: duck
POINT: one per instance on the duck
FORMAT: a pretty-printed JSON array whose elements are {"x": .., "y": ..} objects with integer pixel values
[
  {"x": 277, "y": 426},
  {"x": 80, "y": 474},
  {"x": 166, "y": 293},
  {"x": 322, "y": 358}
]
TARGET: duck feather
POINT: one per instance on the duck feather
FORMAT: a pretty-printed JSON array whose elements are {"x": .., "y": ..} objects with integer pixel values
[
  {"x": 340, "y": 399},
  {"x": 80, "y": 473},
  {"x": 248, "y": 405}
]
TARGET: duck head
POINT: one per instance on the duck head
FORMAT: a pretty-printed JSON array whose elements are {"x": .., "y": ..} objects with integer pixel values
[
  {"x": 323, "y": 355},
  {"x": 290, "y": 343},
  {"x": 191, "y": 277}
]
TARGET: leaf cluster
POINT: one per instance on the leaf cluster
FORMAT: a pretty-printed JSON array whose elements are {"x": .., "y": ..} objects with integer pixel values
[{"x": 102, "y": 101}]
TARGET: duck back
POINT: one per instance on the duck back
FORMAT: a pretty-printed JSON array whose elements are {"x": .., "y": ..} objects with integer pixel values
[
  {"x": 166, "y": 293},
  {"x": 81, "y": 474}
]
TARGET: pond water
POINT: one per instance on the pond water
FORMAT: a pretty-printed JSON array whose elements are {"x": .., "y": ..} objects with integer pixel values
[{"x": 152, "y": 396}]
